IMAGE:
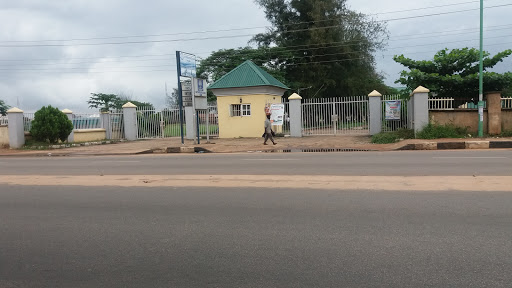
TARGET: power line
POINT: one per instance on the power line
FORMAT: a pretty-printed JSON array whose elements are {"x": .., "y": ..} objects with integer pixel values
[
  {"x": 230, "y": 36},
  {"x": 225, "y": 30}
]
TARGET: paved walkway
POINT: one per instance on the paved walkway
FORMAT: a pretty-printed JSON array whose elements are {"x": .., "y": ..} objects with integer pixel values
[{"x": 232, "y": 145}]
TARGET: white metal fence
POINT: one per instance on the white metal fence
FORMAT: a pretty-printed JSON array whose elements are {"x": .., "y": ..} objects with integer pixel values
[
  {"x": 389, "y": 125},
  {"x": 86, "y": 121},
  {"x": 440, "y": 104},
  {"x": 117, "y": 125},
  {"x": 506, "y": 103},
  {"x": 4, "y": 120},
  {"x": 333, "y": 116},
  {"x": 166, "y": 123},
  {"x": 27, "y": 121}
]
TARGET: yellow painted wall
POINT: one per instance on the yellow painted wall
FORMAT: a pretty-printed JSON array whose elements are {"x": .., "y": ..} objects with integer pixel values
[
  {"x": 243, "y": 126},
  {"x": 88, "y": 135},
  {"x": 4, "y": 136}
]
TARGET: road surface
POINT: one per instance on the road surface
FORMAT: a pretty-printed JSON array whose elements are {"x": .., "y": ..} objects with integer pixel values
[{"x": 242, "y": 228}]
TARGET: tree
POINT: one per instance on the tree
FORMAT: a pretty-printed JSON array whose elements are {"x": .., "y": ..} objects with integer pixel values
[
  {"x": 3, "y": 108},
  {"x": 50, "y": 125},
  {"x": 455, "y": 74},
  {"x": 105, "y": 102},
  {"x": 323, "y": 44}
]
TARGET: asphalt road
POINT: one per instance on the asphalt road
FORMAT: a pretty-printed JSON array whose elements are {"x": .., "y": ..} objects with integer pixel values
[
  {"x": 404, "y": 163},
  {"x": 108, "y": 236}
]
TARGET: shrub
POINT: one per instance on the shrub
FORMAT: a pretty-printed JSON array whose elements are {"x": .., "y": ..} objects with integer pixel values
[
  {"x": 50, "y": 125},
  {"x": 506, "y": 133},
  {"x": 435, "y": 131},
  {"x": 392, "y": 137}
]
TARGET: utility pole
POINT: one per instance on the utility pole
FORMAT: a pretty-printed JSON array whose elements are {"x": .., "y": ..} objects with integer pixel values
[{"x": 481, "y": 75}]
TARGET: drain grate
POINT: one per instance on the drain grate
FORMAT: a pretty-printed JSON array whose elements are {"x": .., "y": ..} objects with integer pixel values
[{"x": 319, "y": 150}]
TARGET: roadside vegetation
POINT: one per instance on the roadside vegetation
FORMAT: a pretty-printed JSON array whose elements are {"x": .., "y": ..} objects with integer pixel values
[{"x": 431, "y": 131}]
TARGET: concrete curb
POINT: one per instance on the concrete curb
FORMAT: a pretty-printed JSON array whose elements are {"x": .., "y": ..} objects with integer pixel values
[{"x": 457, "y": 145}]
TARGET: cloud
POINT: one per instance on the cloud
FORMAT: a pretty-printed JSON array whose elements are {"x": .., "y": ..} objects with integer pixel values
[{"x": 64, "y": 76}]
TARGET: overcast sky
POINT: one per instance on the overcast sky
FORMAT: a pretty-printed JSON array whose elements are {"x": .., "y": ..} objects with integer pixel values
[{"x": 78, "y": 60}]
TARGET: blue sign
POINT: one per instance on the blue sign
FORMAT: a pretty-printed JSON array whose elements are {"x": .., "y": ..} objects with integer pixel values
[{"x": 188, "y": 65}]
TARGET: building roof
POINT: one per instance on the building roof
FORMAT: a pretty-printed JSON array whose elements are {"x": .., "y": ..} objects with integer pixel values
[{"x": 246, "y": 74}]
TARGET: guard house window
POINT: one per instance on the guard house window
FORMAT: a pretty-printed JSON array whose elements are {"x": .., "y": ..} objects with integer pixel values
[{"x": 240, "y": 110}]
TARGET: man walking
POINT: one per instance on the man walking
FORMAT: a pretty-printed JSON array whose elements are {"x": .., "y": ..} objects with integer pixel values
[{"x": 268, "y": 131}]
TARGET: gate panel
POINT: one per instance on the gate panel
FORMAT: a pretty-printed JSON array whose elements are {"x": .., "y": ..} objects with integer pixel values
[{"x": 335, "y": 116}]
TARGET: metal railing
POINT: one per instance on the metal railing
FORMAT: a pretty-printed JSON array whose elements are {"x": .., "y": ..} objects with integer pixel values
[
  {"x": 506, "y": 103},
  {"x": 4, "y": 120},
  {"x": 27, "y": 121},
  {"x": 400, "y": 119},
  {"x": 86, "y": 121},
  {"x": 209, "y": 122},
  {"x": 440, "y": 104},
  {"x": 117, "y": 125},
  {"x": 332, "y": 116}
]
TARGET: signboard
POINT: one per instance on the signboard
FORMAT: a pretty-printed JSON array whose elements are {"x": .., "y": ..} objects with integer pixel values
[
  {"x": 187, "y": 65},
  {"x": 186, "y": 91},
  {"x": 393, "y": 110},
  {"x": 277, "y": 114},
  {"x": 199, "y": 87}
]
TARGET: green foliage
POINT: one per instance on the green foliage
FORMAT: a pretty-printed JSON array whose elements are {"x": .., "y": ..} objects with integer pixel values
[
  {"x": 506, "y": 133},
  {"x": 455, "y": 74},
  {"x": 109, "y": 102},
  {"x": 317, "y": 43},
  {"x": 392, "y": 137},
  {"x": 3, "y": 108},
  {"x": 50, "y": 125},
  {"x": 436, "y": 131}
]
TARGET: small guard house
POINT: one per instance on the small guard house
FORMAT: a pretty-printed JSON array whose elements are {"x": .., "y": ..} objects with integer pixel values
[{"x": 243, "y": 94}]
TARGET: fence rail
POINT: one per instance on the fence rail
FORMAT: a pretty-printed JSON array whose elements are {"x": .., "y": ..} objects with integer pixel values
[
  {"x": 27, "y": 121},
  {"x": 506, "y": 103},
  {"x": 117, "y": 125},
  {"x": 332, "y": 116},
  {"x": 4, "y": 120},
  {"x": 440, "y": 104},
  {"x": 86, "y": 121}
]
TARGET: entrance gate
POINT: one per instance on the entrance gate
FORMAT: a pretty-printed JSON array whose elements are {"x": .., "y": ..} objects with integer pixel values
[{"x": 336, "y": 116}]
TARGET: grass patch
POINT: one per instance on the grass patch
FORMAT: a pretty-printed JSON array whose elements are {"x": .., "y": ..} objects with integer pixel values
[
  {"x": 392, "y": 137},
  {"x": 436, "y": 131},
  {"x": 173, "y": 130},
  {"x": 506, "y": 134}
]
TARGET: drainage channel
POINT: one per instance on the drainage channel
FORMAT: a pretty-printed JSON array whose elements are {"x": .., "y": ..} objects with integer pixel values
[{"x": 316, "y": 150}]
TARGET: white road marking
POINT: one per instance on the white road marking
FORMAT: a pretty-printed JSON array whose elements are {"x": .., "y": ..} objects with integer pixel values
[
  {"x": 454, "y": 157},
  {"x": 270, "y": 159}
]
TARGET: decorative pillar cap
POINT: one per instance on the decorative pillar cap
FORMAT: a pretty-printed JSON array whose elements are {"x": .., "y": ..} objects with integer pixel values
[
  {"x": 295, "y": 96},
  {"x": 375, "y": 93},
  {"x": 67, "y": 111},
  {"x": 129, "y": 105},
  {"x": 421, "y": 89},
  {"x": 15, "y": 110}
]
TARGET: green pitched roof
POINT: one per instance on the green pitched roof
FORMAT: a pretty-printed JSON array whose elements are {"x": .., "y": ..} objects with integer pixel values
[{"x": 246, "y": 74}]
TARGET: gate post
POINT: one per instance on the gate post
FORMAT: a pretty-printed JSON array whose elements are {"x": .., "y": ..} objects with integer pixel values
[
  {"x": 15, "y": 128},
  {"x": 295, "y": 115},
  {"x": 105, "y": 124},
  {"x": 130, "y": 121},
  {"x": 375, "y": 103},
  {"x": 69, "y": 113},
  {"x": 420, "y": 108},
  {"x": 190, "y": 121}
]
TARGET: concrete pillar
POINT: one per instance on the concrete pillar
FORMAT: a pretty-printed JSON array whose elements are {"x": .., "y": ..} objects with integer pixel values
[
  {"x": 16, "y": 130},
  {"x": 295, "y": 111},
  {"x": 375, "y": 103},
  {"x": 190, "y": 120},
  {"x": 105, "y": 124},
  {"x": 130, "y": 121},
  {"x": 494, "y": 113},
  {"x": 69, "y": 113},
  {"x": 420, "y": 108}
]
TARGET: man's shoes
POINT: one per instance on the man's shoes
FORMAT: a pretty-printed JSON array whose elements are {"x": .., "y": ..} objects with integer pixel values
[
  {"x": 265, "y": 144},
  {"x": 275, "y": 143}
]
